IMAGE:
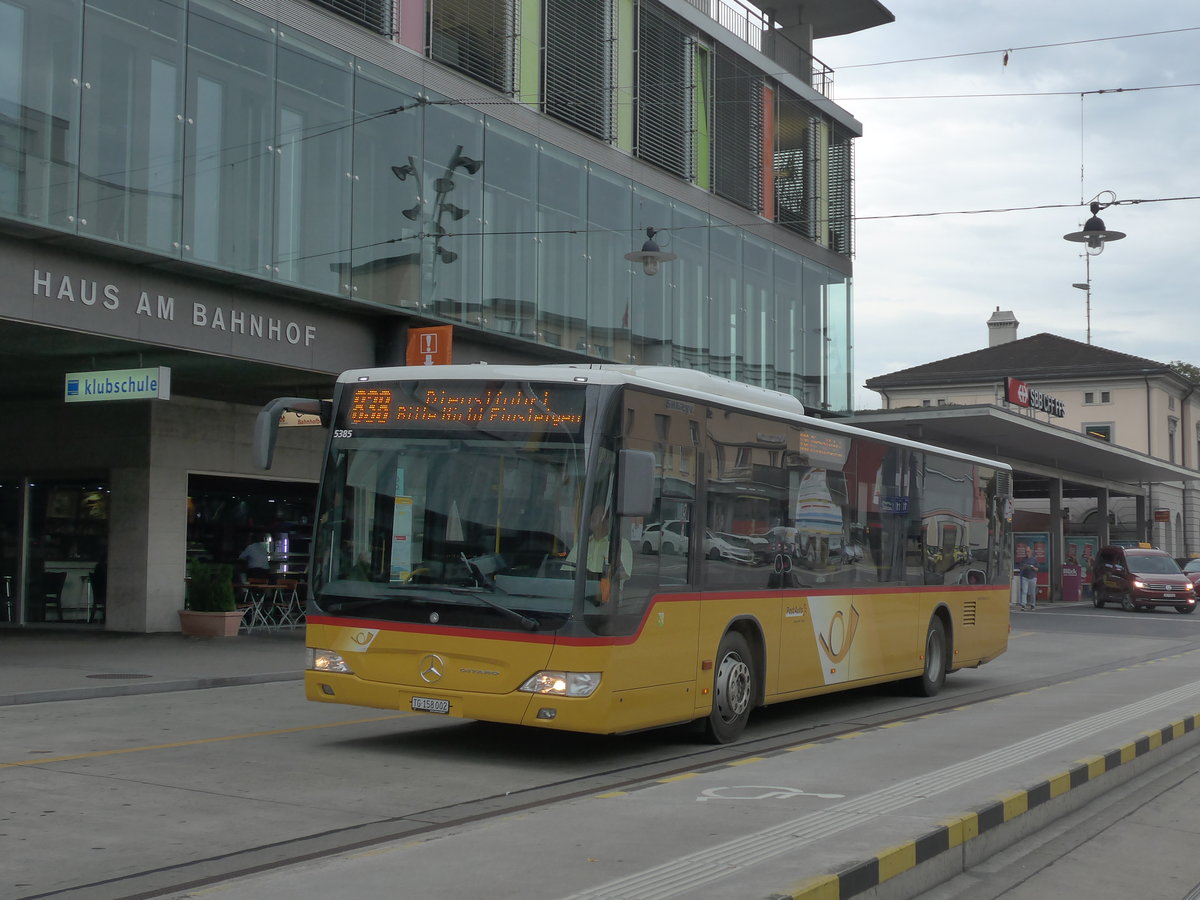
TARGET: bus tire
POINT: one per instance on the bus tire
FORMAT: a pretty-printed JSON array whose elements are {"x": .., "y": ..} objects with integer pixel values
[
  {"x": 934, "y": 676},
  {"x": 734, "y": 690}
]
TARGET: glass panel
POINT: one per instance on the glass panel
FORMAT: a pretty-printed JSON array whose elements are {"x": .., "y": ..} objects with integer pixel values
[
  {"x": 312, "y": 176},
  {"x": 608, "y": 281},
  {"x": 957, "y": 522},
  {"x": 224, "y": 515},
  {"x": 11, "y": 495},
  {"x": 452, "y": 174},
  {"x": 470, "y": 517},
  {"x": 69, "y": 560},
  {"x": 690, "y": 273},
  {"x": 725, "y": 317},
  {"x": 817, "y": 523},
  {"x": 562, "y": 247},
  {"x": 132, "y": 123},
  {"x": 650, "y": 313},
  {"x": 39, "y": 110},
  {"x": 229, "y": 156},
  {"x": 813, "y": 326},
  {"x": 838, "y": 371},
  {"x": 510, "y": 248},
  {"x": 661, "y": 540},
  {"x": 789, "y": 321},
  {"x": 758, "y": 312},
  {"x": 386, "y": 255}
]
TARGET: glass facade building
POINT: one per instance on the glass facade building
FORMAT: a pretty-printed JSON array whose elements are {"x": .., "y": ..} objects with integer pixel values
[
  {"x": 259, "y": 194},
  {"x": 206, "y": 132}
]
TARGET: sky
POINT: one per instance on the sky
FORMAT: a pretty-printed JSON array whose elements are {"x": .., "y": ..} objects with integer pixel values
[{"x": 924, "y": 286}]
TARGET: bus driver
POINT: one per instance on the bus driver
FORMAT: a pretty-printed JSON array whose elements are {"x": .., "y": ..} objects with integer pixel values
[{"x": 598, "y": 555}]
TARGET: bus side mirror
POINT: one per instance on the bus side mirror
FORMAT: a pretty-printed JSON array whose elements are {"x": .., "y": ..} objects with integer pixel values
[
  {"x": 266, "y": 426},
  {"x": 635, "y": 483}
]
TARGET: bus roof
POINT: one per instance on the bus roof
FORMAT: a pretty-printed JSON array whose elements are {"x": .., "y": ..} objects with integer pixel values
[{"x": 700, "y": 386}]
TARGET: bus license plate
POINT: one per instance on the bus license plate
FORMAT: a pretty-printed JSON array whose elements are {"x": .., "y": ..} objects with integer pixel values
[{"x": 427, "y": 704}]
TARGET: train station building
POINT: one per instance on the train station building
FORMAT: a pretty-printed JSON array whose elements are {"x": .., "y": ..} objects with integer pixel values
[{"x": 1105, "y": 446}]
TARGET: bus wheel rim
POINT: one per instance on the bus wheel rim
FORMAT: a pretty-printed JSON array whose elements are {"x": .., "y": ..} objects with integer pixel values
[
  {"x": 733, "y": 687},
  {"x": 933, "y": 654}
]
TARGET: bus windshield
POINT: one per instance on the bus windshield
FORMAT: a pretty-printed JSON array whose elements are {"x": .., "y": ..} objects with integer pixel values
[{"x": 459, "y": 508}]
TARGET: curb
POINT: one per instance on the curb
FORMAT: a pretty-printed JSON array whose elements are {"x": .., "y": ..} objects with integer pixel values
[
  {"x": 154, "y": 687},
  {"x": 926, "y": 862}
]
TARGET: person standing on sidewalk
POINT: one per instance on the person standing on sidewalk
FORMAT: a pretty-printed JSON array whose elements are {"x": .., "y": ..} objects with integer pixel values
[{"x": 1028, "y": 568}]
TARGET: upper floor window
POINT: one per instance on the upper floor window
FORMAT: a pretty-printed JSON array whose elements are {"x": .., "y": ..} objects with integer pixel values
[
  {"x": 373, "y": 14},
  {"x": 1099, "y": 432},
  {"x": 664, "y": 78},
  {"x": 1090, "y": 397},
  {"x": 476, "y": 37},
  {"x": 578, "y": 64}
]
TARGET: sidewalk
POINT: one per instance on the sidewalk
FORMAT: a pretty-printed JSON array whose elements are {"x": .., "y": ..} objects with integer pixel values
[{"x": 43, "y": 665}]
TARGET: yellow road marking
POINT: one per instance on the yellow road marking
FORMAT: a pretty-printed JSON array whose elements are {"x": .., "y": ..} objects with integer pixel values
[{"x": 213, "y": 740}]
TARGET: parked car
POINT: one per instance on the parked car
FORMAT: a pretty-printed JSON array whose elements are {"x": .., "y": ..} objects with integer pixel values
[
  {"x": 665, "y": 537},
  {"x": 1140, "y": 578},
  {"x": 727, "y": 546}
]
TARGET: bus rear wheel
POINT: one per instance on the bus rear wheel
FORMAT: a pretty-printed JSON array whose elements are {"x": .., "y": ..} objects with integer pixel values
[
  {"x": 934, "y": 676},
  {"x": 733, "y": 690}
]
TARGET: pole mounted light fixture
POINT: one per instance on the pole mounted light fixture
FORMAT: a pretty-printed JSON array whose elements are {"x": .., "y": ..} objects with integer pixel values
[
  {"x": 1094, "y": 234},
  {"x": 650, "y": 255}
]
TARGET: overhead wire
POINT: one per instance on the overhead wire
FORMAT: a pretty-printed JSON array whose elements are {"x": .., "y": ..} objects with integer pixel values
[{"x": 1010, "y": 50}]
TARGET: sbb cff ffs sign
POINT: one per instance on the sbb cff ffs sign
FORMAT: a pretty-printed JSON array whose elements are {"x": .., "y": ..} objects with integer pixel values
[{"x": 1021, "y": 394}]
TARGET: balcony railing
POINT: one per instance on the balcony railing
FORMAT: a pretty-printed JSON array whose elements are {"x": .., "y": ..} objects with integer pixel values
[{"x": 754, "y": 28}]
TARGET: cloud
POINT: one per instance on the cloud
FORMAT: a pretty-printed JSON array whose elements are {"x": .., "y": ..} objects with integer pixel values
[{"x": 924, "y": 287}]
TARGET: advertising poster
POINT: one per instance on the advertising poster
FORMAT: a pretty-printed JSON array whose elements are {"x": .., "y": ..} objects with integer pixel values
[
  {"x": 1081, "y": 549},
  {"x": 1036, "y": 543}
]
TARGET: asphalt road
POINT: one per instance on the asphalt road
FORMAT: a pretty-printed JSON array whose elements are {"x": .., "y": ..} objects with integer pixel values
[{"x": 145, "y": 795}]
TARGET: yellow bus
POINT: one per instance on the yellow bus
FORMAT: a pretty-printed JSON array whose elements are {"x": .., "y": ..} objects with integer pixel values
[{"x": 566, "y": 547}]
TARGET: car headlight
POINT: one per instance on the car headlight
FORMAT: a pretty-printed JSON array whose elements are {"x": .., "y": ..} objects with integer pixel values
[
  {"x": 563, "y": 684},
  {"x": 327, "y": 661},
  {"x": 1138, "y": 583}
]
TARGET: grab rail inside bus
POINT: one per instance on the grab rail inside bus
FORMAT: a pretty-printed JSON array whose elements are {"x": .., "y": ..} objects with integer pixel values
[{"x": 266, "y": 426}]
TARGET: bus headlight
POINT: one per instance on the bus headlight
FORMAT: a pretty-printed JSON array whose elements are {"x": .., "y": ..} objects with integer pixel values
[
  {"x": 563, "y": 684},
  {"x": 327, "y": 661}
]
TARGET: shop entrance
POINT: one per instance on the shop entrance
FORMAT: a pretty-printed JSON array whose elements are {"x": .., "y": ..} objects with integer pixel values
[
  {"x": 226, "y": 514},
  {"x": 54, "y": 551}
]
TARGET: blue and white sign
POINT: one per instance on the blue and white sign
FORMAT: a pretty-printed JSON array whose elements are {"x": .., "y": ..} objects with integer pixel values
[{"x": 118, "y": 384}]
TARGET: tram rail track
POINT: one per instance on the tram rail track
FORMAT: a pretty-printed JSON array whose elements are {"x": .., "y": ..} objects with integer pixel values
[{"x": 197, "y": 874}]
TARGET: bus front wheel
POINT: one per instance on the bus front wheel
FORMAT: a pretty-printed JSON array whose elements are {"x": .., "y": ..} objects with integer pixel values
[
  {"x": 934, "y": 676},
  {"x": 733, "y": 690}
]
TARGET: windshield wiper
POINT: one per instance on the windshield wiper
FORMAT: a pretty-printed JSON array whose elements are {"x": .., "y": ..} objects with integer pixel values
[{"x": 477, "y": 573}]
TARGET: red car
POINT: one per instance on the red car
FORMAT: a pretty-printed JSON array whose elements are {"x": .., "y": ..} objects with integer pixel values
[
  {"x": 1141, "y": 578},
  {"x": 1192, "y": 570}
]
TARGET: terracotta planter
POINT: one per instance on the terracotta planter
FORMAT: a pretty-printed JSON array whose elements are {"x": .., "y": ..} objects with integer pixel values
[{"x": 210, "y": 624}]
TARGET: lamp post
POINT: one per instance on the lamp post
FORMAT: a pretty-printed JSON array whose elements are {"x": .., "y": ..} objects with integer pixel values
[
  {"x": 651, "y": 254},
  {"x": 441, "y": 206},
  {"x": 1087, "y": 287},
  {"x": 1094, "y": 235}
]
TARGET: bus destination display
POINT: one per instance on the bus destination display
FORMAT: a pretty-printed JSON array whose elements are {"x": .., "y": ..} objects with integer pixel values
[{"x": 508, "y": 406}]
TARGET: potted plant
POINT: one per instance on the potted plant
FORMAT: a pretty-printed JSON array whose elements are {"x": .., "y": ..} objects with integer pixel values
[{"x": 210, "y": 608}]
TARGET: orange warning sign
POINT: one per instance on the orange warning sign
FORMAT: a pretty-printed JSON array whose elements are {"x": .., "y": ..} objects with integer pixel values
[{"x": 430, "y": 346}]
